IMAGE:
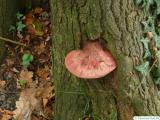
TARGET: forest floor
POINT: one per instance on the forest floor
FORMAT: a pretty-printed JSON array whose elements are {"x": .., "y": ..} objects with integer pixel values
[{"x": 26, "y": 87}]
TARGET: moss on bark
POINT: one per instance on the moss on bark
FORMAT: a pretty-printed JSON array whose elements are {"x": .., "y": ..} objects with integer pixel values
[{"x": 114, "y": 97}]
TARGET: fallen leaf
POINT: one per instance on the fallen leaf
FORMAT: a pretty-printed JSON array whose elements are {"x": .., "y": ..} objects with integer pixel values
[
  {"x": 15, "y": 70},
  {"x": 38, "y": 10},
  {"x": 19, "y": 35},
  {"x": 29, "y": 19},
  {"x": 31, "y": 100},
  {"x": 40, "y": 48},
  {"x": 43, "y": 73},
  {"x": 26, "y": 75},
  {"x": 31, "y": 30},
  {"x": 33, "y": 117},
  {"x": 39, "y": 33},
  {"x": 45, "y": 92},
  {"x": 45, "y": 101},
  {"x": 45, "y": 15},
  {"x": 26, "y": 104},
  {"x": 2, "y": 83},
  {"x": 6, "y": 114},
  {"x": 10, "y": 62}
]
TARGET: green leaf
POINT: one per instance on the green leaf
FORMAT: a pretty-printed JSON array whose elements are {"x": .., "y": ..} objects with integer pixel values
[
  {"x": 12, "y": 28},
  {"x": 157, "y": 41},
  {"x": 20, "y": 26},
  {"x": 138, "y": 2},
  {"x": 22, "y": 83},
  {"x": 156, "y": 72},
  {"x": 158, "y": 54},
  {"x": 25, "y": 64},
  {"x": 19, "y": 15},
  {"x": 147, "y": 4},
  {"x": 157, "y": 81},
  {"x": 26, "y": 59},
  {"x": 149, "y": 24},
  {"x": 147, "y": 54},
  {"x": 158, "y": 10},
  {"x": 38, "y": 25},
  {"x": 158, "y": 6},
  {"x": 145, "y": 42},
  {"x": 143, "y": 68}
]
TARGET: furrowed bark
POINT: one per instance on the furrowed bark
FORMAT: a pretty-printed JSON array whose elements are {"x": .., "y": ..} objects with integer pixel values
[{"x": 115, "y": 97}]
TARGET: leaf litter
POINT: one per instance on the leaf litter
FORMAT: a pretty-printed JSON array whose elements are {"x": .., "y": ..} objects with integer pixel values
[{"x": 26, "y": 87}]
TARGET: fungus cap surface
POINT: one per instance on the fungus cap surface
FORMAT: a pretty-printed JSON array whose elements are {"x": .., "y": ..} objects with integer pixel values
[{"x": 90, "y": 62}]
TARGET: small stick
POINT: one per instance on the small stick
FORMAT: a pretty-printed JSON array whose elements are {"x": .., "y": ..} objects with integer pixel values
[{"x": 11, "y": 41}]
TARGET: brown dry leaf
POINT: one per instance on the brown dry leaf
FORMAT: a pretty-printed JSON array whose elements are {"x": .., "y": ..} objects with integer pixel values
[
  {"x": 14, "y": 70},
  {"x": 45, "y": 92},
  {"x": 43, "y": 73},
  {"x": 45, "y": 101},
  {"x": 19, "y": 35},
  {"x": 28, "y": 19},
  {"x": 87, "y": 118},
  {"x": 40, "y": 48},
  {"x": 34, "y": 117},
  {"x": 6, "y": 114},
  {"x": 2, "y": 83},
  {"x": 26, "y": 75},
  {"x": 31, "y": 30},
  {"x": 10, "y": 62},
  {"x": 31, "y": 100},
  {"x": 26, "y": 104},
  {"x": 49, "y": 111},
  {"x": 38, "y": 10}
]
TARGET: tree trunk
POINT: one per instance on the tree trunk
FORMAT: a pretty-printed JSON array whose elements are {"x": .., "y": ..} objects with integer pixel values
[
  {"x": 118, "y": 95},
  {"x": 8, "y": 9}
]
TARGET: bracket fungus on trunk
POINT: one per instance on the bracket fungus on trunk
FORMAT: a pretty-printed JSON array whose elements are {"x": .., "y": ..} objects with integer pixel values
[{"x": 90, "y": 62}]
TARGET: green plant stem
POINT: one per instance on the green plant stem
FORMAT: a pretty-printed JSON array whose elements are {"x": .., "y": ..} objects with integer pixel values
[{"x": 12, "y": 41}]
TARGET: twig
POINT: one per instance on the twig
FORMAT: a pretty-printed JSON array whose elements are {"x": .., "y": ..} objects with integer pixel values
[{"x": 11, "y": 41}]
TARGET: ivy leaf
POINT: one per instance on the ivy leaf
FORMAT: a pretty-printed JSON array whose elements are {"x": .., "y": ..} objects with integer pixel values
[
  {"x": 147, "y": 4},
  {"x": 20, "y": 26},
  {"x": 156, "y": 72},
  {"x": 157, "y": 41},
  {"x": 157, "y": 81},
  {"x": 143, "y": 68},
  {"x": 158, "y": 10},
  {"x": 147, "y": 54},
  {"x": 158, "y": 54},
  {"x": 19, "y": 15},
  {"x": 158, "y": 6},
  {"x": 12, "y": 28},
  {"x": 145, "y": 42},
  {"x": 149, "y": 24},
  {"x": 138, "y": 2}
]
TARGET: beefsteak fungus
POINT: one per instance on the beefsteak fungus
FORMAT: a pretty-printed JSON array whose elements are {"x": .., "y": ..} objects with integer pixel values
[{"x": 90, "y": 62}]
